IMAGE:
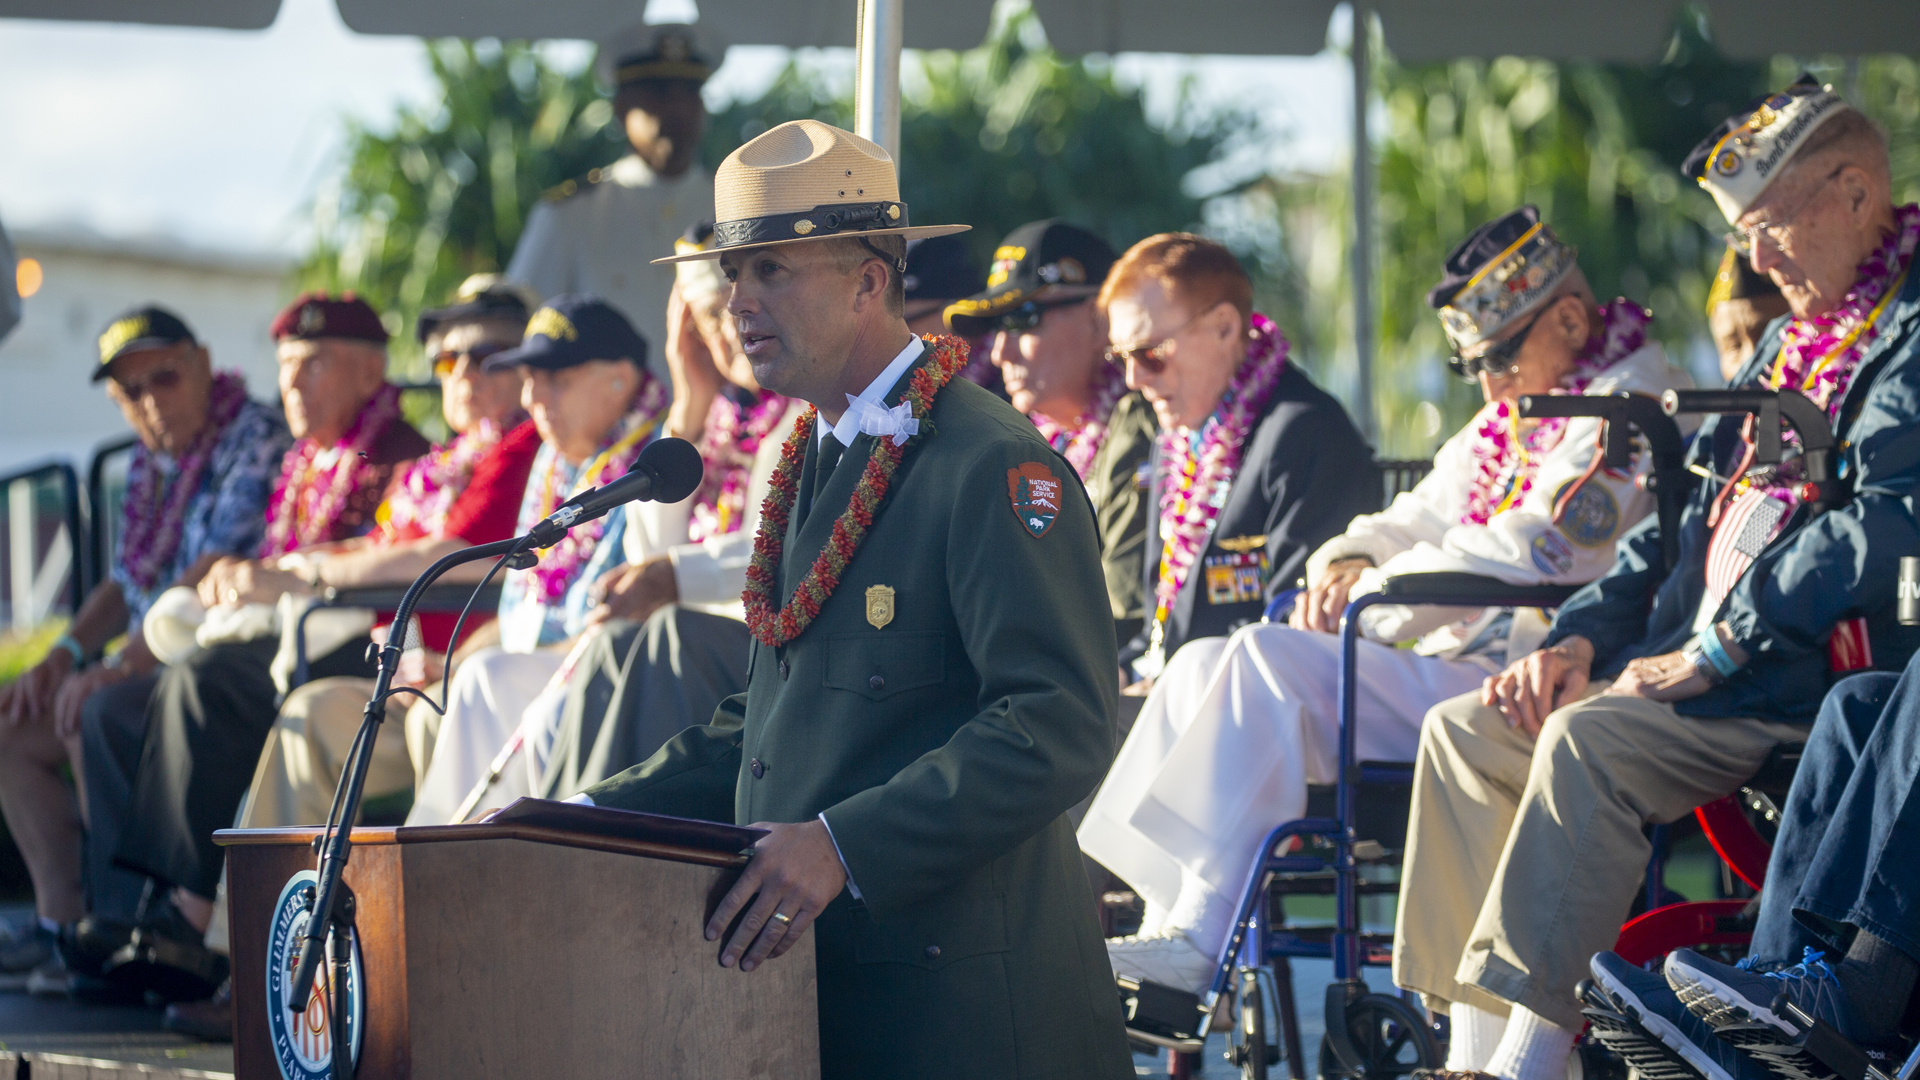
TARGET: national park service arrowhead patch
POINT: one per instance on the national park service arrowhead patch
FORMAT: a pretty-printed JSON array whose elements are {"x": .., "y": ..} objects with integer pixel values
[{"x": 1035, "y": 493}]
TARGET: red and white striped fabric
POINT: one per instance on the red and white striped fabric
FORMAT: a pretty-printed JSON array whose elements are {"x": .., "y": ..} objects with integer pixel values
[{"x": 1750, "y": 521}]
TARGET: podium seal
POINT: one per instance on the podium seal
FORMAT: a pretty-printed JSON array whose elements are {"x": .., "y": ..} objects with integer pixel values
[{"x": 303, "y": 1041}]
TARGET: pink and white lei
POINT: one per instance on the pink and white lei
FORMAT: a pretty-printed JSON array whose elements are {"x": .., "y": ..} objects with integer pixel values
[
  {"x": 1081, "y": 443},
  {"x": 307, "y": 500},
  {"x": 562, "y": 563},
  {"x": 1818, "y": 355},
  {"x": 419, "y": 502},
  {"x": 1197, "y": 481},
  {"x": 155, "y": 519},
  {"x": 1504, "y": 466},
  {"x": 727, "y": 448}
]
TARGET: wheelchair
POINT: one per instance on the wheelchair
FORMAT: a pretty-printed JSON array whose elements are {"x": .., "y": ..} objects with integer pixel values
[{"x": 1358, "y": 825}]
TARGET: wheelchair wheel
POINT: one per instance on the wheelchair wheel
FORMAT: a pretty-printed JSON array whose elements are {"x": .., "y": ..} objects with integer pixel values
[
  {"x": 1391, "y": 1036},
  {"x": 1247, "y": 1047}
]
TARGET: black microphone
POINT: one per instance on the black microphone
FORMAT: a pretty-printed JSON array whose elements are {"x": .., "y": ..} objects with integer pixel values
[{"x": 666, "y": 471}]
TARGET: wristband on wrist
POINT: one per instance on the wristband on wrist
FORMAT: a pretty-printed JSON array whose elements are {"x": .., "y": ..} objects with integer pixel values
[
  {"x": 1716, "y": 653},
  {"x": 72, "y": 645}
]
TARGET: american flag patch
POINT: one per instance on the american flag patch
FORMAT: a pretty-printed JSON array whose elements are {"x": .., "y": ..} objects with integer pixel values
[{"x": 1747, "y": 525}]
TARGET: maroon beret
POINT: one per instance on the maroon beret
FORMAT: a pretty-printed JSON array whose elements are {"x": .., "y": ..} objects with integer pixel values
[{"x": 318, "y": 315}]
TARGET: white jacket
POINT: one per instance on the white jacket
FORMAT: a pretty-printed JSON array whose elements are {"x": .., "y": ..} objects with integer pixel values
[
  {"x": 1422, "y": 531},
  {"x": 710, "y": 574}
]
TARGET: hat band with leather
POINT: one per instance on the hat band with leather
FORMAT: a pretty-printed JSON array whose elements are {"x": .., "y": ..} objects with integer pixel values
[
  {"x": 828, "y": 220},
  {"x": 1741, "y": 165},
  {"x": 1511, "y": 284}
]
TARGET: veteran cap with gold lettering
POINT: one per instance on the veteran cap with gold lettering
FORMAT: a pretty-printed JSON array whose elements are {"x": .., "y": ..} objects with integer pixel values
[
  {"x": 1738, "y": 160},
  {"x": 1037, "y": 262},
  {"x": 571, "y": 330},
  {"x": 806, "y": 180},
  {"x": 149, "y": 327}
]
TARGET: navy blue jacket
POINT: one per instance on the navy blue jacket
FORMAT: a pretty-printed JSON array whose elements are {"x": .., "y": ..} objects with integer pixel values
[{"x": 1817, "y": 572}]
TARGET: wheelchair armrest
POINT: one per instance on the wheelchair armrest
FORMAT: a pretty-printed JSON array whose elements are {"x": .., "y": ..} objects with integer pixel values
[
  {"x": 441, "y": 597},
  {"x": 1472, "y": 590}
]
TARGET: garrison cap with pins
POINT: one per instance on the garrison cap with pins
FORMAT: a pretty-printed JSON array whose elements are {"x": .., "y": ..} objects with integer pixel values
[
  {"x": 1738, "y": 160},
  {"x": 1039, "y": 261},
  {"x": 806, "y": 181},
  {"x": 1500, "y": 272},
  {"x": 149, "y": 327},
  {"x": 571, "y": 330},
  {"x": 663, "y": 51}
]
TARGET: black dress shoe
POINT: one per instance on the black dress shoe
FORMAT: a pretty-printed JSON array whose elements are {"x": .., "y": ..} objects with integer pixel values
[
  {"x": 211, "y": 1020},
  {"x": 167, "y": 956}
]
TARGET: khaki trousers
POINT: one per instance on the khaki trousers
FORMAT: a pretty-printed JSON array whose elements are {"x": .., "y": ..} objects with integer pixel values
[
  {"x": 1523, "y": 857},
  {"x": 301, "y": 765}
]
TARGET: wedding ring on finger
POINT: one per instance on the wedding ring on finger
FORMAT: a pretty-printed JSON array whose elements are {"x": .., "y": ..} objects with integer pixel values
[{"x": 782, "y": 918}]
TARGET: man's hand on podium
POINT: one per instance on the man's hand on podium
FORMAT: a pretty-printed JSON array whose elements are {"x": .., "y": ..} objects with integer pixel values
[{"x": 796, "y": 873}]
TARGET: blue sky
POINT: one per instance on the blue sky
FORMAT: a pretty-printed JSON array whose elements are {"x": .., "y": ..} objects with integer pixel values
[{"x": 219, "y": 138}]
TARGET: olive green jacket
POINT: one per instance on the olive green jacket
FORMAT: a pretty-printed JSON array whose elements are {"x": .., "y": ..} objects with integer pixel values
[
  {"x": 1119, "y": 481},
  {"x": 943, "y": 736}
]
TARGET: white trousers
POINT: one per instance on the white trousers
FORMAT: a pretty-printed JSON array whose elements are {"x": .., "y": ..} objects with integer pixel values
[
  {"x": 1225, "y": 746},
  {"x": 491, "y": 694}
]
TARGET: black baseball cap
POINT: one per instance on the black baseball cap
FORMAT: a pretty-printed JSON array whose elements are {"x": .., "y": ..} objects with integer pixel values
[
  {"x": 482, "y": 296},
  {"x": 1037, "y": 261},
  {"x": 941, "y": 268},
  {"x": 149, "y": 327},
  {"x": 571, "y": 330}
]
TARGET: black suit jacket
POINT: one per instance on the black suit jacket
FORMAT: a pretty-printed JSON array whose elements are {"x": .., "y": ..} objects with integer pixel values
[{"x": 1305, "y": 472}]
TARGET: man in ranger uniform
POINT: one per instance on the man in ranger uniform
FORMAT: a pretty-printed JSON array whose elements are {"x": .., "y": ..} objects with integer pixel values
[
  {"x": 930, "y": 685},
  {"x": 589, "y": 235}
]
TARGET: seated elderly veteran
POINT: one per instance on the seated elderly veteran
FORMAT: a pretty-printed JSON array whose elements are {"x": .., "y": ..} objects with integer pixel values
[
  {"x": 1741, "y": 303},
  {"x": 197, "y": 491},
  {"x": 1237, "y": 727},
  {"x": 1658, "y": 691},
  {"x": 1255, "y": 466},
  {"x": 1047, "y": 336},
  {"x": 930, "y": 683},
  {"x": 596, "y": 407},
  {"x": 162, "y": 776},
  {"x": 1839, "y": 927},
  {"x": 671, "y": 640}
]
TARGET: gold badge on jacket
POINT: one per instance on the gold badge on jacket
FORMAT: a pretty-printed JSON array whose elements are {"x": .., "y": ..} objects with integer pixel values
[{"x": 880, "y": 605}]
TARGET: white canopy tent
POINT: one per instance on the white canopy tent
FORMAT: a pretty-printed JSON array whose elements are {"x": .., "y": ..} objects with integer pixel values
[{"x": 1415, "y": 30}]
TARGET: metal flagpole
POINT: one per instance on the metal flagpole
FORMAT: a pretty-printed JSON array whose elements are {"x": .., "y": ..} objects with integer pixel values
[
  {"x": 1362, "y": 219},
  {"x": 876, "y": 108}
]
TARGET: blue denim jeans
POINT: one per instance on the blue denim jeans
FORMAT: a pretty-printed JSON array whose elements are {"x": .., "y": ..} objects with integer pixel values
[{"x": 1848, "y": 854}]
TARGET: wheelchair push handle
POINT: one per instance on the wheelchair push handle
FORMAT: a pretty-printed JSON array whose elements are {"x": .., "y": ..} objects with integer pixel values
[
  {"x": 1771, "y": 408},
  {"x": 1621, "y": 412}
]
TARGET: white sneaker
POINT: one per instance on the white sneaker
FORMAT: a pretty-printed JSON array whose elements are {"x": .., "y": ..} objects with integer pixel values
[
  {"x": 51, "y": 979},
  {"x": 1167, "y": 958}
]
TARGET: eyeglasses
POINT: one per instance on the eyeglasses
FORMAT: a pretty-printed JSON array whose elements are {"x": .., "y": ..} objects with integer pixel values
[
  {"x": 164, "y": 379},
  {"x": 1743, "y": 239},
  {"x": 1499, "y": 361},
  {"x": 1153, "y": 357},
  {"x": 1026, "y": 318},
  {"x": 445, "y": 364}
]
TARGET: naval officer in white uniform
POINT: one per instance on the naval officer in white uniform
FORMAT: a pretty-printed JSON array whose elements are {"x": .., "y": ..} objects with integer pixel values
[{"x": 592, "y": 234}]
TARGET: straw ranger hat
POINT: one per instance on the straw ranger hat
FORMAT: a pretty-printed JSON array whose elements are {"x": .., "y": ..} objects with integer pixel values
[{"x": 806, "y": 180}]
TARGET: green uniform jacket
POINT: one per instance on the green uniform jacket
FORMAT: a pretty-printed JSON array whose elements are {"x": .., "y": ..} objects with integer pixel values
[
  {"x": 1118, "y": 481},
  {"x": 944, "y": 748}
]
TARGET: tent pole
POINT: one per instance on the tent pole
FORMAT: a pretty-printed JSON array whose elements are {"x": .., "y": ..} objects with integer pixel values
[
  {"x": 1362, "y": 221},
  {"x": 876, "y": 106}
]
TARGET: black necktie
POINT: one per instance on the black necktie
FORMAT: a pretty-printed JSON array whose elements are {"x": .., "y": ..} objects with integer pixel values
[{"x": 823, "y": 467}]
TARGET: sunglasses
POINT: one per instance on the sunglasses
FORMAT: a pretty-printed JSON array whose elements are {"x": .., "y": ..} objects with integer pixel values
[
  {"x": 1152, "y": 357},
  {"x": 1026, "y": 318},
  {"x": 1499, "y": 361},
  {"x": 163, "y": 379},
  {"x": 446, "y": 363}
]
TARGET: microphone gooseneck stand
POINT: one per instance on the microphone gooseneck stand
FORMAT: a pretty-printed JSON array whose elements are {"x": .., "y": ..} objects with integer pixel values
[{"x": 333, "y": 904}]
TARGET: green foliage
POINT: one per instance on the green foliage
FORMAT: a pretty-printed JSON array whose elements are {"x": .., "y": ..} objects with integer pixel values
[
  {"x": 445, "y": 191},
  {"x": 1012, "y": 132}
]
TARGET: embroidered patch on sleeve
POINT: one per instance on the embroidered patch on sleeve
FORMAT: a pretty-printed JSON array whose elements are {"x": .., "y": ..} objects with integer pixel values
[
  {"x": 1552, "y": 554},
  {"x": 1035, "y": 493},
  {"x": 1592, "y": 515}
]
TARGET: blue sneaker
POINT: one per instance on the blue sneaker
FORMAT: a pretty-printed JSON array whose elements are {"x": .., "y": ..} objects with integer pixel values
[
  {"x": 1731, "y": 995},
  {"x": 1649, "y": 1027}
]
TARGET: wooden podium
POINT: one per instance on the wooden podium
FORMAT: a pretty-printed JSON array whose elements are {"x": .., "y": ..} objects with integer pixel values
[{"x": 521, "y": 949}]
